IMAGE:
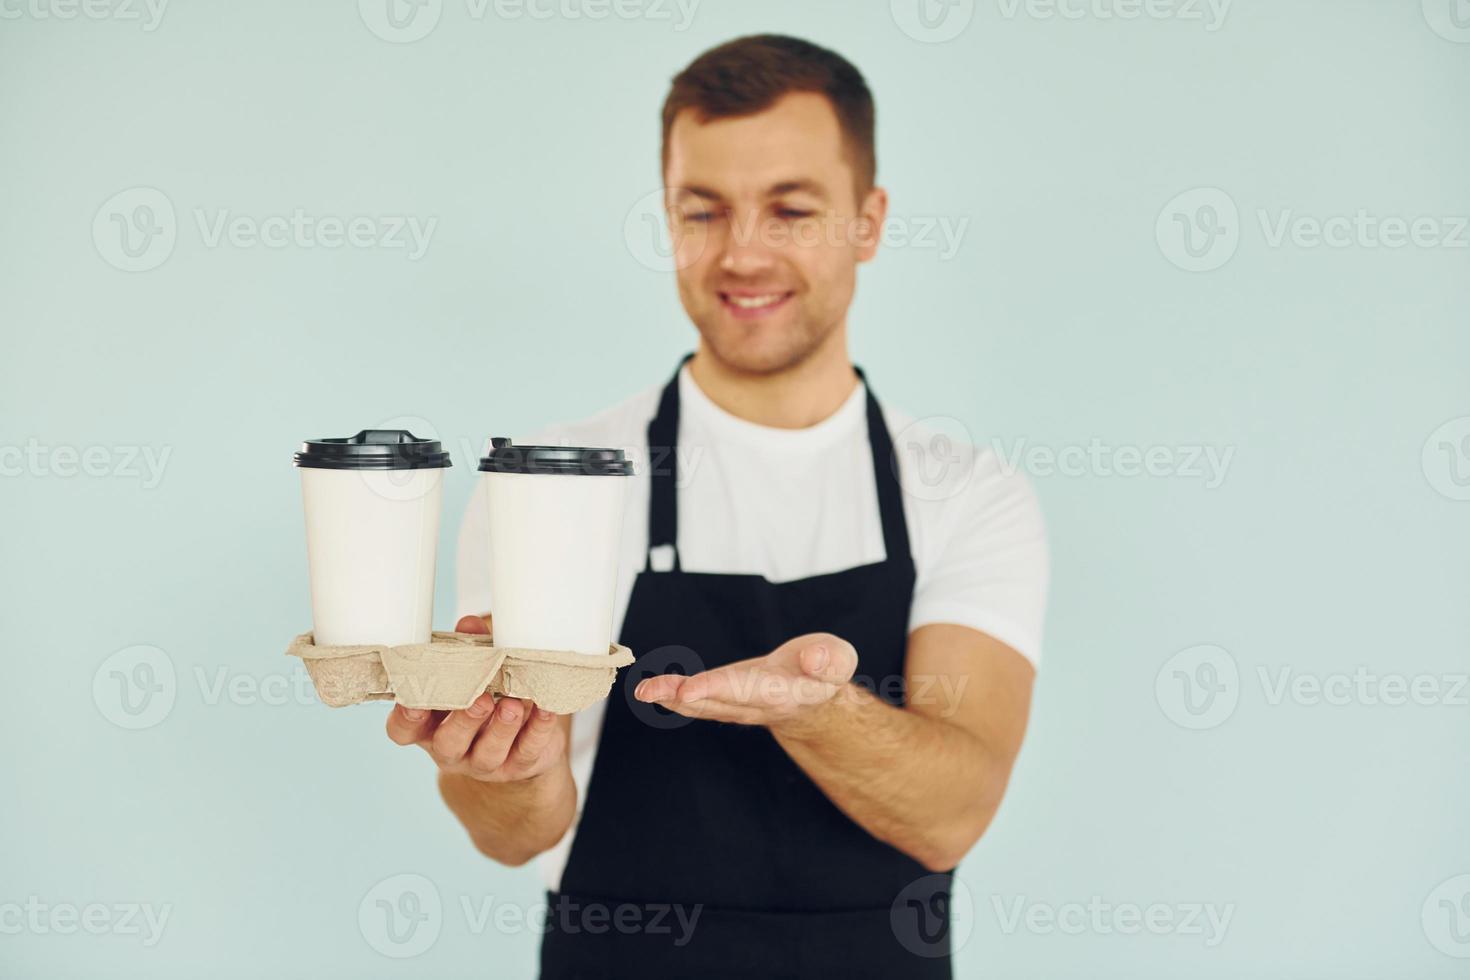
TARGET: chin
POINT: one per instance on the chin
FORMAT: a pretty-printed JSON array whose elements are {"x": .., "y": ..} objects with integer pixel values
[{"x": 768, "y": 349}]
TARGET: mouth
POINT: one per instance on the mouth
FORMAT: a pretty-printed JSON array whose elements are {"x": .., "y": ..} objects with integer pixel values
[{"x": 751, "y": 306}]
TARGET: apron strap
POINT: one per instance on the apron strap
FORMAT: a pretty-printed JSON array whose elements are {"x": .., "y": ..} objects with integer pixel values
[
  {"x": 885, "y": 479},
  {"x": 663, "y": 462},
  {"x": 663, "y": 468}
]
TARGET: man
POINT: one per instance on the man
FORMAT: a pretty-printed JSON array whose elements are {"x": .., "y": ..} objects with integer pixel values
[{"x": 834, "y": 674}]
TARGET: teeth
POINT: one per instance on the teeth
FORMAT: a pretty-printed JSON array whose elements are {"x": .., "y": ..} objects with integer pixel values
[{"x": 756, "y": 302}]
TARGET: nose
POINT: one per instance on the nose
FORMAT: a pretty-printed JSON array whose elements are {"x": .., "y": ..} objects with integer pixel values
[{"x": 745, "y": 251}]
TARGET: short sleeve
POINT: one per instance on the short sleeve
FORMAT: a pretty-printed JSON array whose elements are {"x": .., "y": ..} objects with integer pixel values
[
  {"x": 985, "y": 561},
  {"x": 472, "y": 558}
]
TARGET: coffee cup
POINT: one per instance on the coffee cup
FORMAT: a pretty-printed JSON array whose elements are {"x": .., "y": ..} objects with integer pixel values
[
  {"x": 372, "y": 503},
  {"x": 556, "y": 519}
]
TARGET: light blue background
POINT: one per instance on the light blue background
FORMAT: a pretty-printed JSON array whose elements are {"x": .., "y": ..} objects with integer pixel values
[{"x": 1060, "y": 320}]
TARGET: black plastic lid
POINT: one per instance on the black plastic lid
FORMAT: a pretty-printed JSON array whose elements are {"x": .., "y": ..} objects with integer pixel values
[
  {"x": 373, "y": 449},
  {"x": 554, "y": 460}
]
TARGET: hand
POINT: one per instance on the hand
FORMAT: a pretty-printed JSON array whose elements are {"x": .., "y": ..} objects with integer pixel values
[
  {"x": 493, "y": 742},
  {"x": 782, "y": 690}
]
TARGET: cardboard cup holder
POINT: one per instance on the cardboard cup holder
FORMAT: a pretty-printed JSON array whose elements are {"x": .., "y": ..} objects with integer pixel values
[{"x": 450, "y": 671}]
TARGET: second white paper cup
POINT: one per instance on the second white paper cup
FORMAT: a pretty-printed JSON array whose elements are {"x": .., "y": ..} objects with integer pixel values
[{"x": 556, "y": 520}]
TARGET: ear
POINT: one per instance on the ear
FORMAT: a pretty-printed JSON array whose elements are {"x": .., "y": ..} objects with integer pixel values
[{"x": 872, "y": 212}]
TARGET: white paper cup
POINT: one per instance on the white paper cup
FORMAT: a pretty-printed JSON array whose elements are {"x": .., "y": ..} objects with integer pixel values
[
  {"x": 372, "y": 505},
  {"x": 556, "y": 518}
]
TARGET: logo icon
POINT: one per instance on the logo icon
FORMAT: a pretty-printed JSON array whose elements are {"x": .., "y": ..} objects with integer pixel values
[
  {"x": 933, "y": 457},
  {"x": 401, "y": 916},
  {"x": 932, "y": 21},
  {"x": 1450, "y": 19},
  {"x": 1446, "y": 917},
  {"x": 1199, "y": 230},
  {"x": 400, "y": 21},
  {"x": 651, "y": 242},
  {"x": 663, "y": 660},
  {"x": 933, "y": 916},
  {"x": 1446, "y": 459},
  {"x": 1198, "y": 688},
  {"x": 135, "y": 230},
  {"x": 135, "y": 687},
  {"x": 406, "y": 486}
]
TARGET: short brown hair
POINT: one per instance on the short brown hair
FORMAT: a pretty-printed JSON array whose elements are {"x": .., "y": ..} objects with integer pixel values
[{"x": 747, "y": 75}]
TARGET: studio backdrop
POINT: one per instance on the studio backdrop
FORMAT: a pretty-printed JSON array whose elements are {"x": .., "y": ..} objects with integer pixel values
[{"x": 1199, "y": 269}]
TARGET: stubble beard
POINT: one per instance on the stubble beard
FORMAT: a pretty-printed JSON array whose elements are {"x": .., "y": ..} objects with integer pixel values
[{"x": 735, "y": 350}]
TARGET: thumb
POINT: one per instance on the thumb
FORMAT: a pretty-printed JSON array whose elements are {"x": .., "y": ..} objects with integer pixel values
[
  {"x": 829, "y": 658},
  {"x": 473, "y": 624}
]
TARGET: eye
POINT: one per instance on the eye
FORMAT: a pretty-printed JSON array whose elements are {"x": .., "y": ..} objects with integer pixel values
[{"x": 793, "y": 214}]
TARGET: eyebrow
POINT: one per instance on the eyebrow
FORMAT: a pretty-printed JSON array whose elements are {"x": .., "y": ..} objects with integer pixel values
[
  {"x": 798, "y": 185},
  {"x": 793, "y": 186}
]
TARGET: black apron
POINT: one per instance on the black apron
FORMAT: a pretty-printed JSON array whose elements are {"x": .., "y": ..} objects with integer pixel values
[{"x": 686, "y": 817}]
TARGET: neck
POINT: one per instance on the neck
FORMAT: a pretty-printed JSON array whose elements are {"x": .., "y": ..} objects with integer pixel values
[{"x": 793, "y": 398}]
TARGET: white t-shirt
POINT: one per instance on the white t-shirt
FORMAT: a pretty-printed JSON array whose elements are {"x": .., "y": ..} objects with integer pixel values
[{"x": 794, "y": 503}]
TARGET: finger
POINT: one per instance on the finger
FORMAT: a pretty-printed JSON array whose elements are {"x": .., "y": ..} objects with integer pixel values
[
  {"x": 455, "y": 733},
  {"x": 829, "y": 659},
  {"x": 660, "y": 688},
  {"x": 534, "y": 738},
  {"x": 497, "y": 736},
  {"x": 409, "y": 725},
  {"x": 737, "y": 683},
  {"x": 472, "y": 624},
  {"x": 710, "y": 710}
]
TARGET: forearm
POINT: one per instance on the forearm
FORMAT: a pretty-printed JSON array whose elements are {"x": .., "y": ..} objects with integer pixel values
[
  {"x": 503, "y": 767},
  {"x": 921, "y": 784},
  {"x": 512, "y": 822}
]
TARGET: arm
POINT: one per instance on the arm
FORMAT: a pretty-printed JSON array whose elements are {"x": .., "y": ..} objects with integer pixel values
[
  {"x": 926, "y": 778},
  {"x": 503, "y": 768},
  {"x": 512, "y": 822}
]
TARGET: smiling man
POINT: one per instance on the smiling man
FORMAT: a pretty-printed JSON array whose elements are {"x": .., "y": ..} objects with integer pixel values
[{"x": 836, "y": 641}]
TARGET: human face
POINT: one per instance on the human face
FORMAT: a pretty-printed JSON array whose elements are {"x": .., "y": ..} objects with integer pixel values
[{"x": 768, "y": 230}]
